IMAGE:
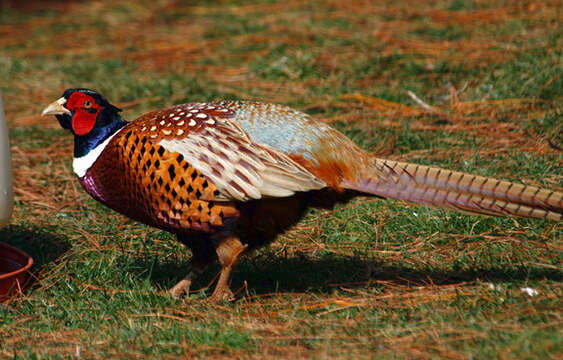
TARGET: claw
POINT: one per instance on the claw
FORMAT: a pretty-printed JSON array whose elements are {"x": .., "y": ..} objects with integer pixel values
[
  {"x": 225, "y": 295},
  {"x": 181, "y": 289}
]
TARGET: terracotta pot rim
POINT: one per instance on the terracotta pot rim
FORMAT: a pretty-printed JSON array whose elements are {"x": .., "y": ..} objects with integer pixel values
[{"x": 24, "y": 268}]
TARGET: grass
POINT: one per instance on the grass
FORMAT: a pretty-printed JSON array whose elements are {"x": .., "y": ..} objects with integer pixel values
[{"x": 370, "y": 278}]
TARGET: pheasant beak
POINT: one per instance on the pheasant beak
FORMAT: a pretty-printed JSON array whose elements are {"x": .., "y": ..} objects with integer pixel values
[{"x": 56, "y": 108}]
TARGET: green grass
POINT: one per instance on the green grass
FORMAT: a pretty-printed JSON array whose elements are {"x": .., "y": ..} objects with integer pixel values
[{"x": 367, "y": 279}]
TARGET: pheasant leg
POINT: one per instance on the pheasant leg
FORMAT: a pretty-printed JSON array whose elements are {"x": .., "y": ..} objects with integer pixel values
[
  {"x": 228, "y": 253},
  {"x": 196, "y": 267}
]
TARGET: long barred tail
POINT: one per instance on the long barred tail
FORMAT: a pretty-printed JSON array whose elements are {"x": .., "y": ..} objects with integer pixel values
[{"x": 456, "y": 190}]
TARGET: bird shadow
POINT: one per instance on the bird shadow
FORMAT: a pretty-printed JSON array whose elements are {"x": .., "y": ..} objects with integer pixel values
[
  {"x": 42, "y": 246},
  {"x": 271, "y": 273}
]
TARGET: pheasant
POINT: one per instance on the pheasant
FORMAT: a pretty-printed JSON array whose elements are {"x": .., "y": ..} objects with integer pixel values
[{"x": 226, "y": 177}]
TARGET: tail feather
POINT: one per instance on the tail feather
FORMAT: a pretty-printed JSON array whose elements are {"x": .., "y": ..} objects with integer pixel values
[{"x": 456, "y": 190}]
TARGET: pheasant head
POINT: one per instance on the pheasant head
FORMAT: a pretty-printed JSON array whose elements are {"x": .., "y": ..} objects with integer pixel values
[{"x": 89, "y": 116}]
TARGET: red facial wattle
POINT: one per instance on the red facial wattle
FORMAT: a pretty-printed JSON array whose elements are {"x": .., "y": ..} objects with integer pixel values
[
  {"x": 85, "y": 112},
  {"x": 83, "y": 122}
]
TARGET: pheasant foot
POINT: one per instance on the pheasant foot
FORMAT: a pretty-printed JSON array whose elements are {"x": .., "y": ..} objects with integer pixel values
[{"x": 182, "y": 288}]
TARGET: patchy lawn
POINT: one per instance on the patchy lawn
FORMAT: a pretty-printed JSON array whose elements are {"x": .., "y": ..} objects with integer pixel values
[{"x": 371, "y": 278}]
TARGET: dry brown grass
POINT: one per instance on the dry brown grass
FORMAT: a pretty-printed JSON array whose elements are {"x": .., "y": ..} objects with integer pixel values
[{"x": 383, "y": 289}]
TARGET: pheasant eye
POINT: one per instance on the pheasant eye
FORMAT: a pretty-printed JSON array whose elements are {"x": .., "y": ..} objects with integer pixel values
[{"x": 87, "y": 104}]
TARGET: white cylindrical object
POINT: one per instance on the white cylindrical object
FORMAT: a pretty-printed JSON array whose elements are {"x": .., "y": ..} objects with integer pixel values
[{"x": 6, "y": 190}]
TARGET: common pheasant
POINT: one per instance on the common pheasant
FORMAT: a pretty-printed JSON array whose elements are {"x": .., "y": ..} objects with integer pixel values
[{"x": 228, "y": 176}]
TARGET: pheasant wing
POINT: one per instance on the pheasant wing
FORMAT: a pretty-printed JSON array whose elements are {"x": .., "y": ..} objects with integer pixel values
[{"x": 208, "y": 138}]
